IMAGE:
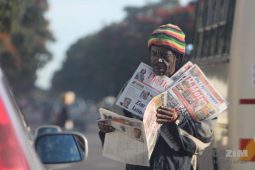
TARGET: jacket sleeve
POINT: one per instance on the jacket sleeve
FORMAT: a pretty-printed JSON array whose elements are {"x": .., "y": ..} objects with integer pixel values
[
  {"x": 199, "y": 129},
  {"x": 189, "y": 135}
]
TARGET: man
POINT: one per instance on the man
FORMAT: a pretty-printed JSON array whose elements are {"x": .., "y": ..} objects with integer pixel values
[{"x": 181, "y": 137}]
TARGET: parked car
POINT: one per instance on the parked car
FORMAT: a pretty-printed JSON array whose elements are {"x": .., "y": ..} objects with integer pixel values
[{"x": 19, "y": 150}]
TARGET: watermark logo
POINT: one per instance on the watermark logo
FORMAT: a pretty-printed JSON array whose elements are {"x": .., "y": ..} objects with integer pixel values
[{"x": 236, "y": 153}]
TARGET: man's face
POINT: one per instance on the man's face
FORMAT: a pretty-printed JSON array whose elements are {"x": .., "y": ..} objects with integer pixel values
[{"x": 163, "y": 61}]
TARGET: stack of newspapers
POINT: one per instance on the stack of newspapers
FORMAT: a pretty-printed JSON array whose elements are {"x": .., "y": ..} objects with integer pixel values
[{"x": 188, "y": 91}]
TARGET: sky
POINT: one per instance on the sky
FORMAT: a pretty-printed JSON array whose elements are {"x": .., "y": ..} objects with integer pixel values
[{"x": 74, "y": 19}]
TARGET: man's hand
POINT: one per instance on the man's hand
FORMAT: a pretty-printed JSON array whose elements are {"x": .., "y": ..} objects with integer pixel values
[
  {"x": 104, "y": 126},
  {"x": 165, "y": 115}
]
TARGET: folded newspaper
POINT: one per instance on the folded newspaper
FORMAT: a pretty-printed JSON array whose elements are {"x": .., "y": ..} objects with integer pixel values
[{"x": 188, "y": 90}]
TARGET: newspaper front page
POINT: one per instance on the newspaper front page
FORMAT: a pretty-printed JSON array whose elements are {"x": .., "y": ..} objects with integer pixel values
[
  {"x": 195, "y": 95},
  {"x": 143, "y": 86}
]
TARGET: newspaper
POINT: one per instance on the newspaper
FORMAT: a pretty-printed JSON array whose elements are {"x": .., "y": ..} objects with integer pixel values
[
  {"x": 151, "y": 127},
  {"x": 192, "y": 95},
  {"x": 196, "y": 96},
  {"x": 189, "y": 92},
  {"x": 127, "y": 144},
  {"x": 128, "y": 126},
  {"x": 143, "y": 86}
]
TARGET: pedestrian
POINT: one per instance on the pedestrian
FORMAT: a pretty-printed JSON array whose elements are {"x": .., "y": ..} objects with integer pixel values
[
  {"x": 178, "y": 150},
  {"x": 63, "y": 117},
  {"x": 63, "y": 114}
]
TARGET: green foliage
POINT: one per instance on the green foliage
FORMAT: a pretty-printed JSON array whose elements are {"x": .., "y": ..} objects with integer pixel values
[
  {"x": 23, "y": 36},
  {"x": 98, "y": 65}
]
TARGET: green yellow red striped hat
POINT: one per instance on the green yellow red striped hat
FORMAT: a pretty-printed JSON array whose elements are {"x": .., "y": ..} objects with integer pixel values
[{"x": 168, "y": 35}]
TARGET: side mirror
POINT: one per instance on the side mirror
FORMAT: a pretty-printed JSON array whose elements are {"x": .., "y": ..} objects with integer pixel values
[{"x": 59, "y": 148}]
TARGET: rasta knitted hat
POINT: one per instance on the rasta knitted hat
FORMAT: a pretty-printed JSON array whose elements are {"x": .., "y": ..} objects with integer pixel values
[{"x": 168, "y": 35}]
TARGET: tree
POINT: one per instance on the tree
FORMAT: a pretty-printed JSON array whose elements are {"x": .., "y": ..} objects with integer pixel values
[
  {"x": 23, "y": 36},
  {"x": 99, "y": 65}
]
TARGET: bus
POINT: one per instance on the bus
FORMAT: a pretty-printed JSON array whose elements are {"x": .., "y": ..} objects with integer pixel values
[{"x": 224, "y": 46}]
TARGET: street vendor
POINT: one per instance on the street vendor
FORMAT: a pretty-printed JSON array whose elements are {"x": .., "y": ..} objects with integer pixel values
[{"x": 185, "y": 137}]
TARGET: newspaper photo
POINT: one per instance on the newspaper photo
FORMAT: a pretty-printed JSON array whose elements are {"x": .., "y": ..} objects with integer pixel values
[{"x": 143, "y": 86}]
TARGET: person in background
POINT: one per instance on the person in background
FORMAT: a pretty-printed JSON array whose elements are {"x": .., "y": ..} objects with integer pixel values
[
  {"x": 63, "y": 118},
  {"x": 176, "y": 150}
]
